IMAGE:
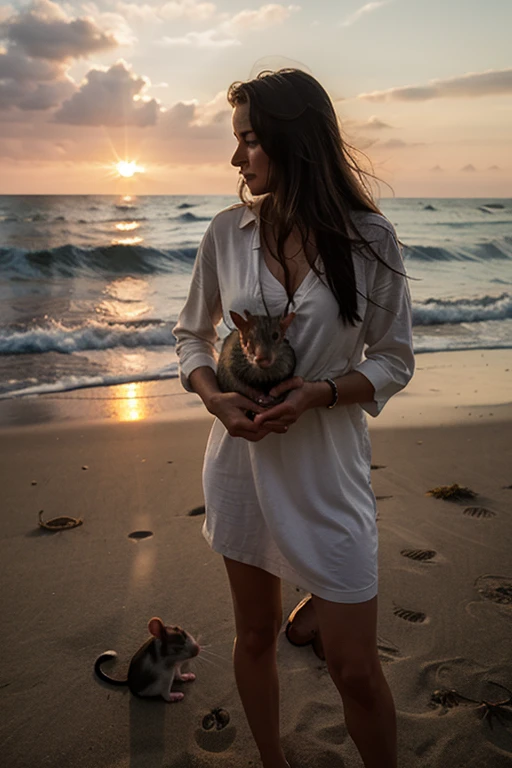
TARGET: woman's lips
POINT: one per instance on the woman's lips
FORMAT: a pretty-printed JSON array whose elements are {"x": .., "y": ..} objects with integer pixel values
[{"x": 249, "y": 176}]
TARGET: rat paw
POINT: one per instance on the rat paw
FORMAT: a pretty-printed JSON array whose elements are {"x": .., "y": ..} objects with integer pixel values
[
  {"x": 175, "y": 697},
  {"x": 186, "y": 677}
]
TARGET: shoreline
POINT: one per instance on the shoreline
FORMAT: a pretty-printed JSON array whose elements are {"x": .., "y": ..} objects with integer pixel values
[{"x": 447, "y": 387}]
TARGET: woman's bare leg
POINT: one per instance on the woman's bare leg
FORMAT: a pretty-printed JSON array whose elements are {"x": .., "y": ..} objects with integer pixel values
[
  {"x": 258, "y": 616},
  {"x": 349, "y": 635}
]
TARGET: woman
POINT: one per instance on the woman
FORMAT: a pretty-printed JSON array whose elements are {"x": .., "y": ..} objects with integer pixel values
[{"x": 288, "y": 494}]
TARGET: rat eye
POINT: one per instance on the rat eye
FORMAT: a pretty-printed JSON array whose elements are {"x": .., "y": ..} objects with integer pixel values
[{"x": 275, "y": 336}]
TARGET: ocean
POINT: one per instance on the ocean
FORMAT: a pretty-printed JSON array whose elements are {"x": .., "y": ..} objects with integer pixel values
[{"x": 91, "y": 285}]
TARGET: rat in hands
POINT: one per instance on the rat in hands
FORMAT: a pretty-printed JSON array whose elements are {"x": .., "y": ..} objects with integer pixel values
[
  {"x": 157, "y": 663},
  {"x": 256, "y": 357}
]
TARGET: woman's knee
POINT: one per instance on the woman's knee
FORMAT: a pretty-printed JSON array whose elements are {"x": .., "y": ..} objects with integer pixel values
[
  {"x": 257, "y": 640},
  {"x": 357, "y": 678}
]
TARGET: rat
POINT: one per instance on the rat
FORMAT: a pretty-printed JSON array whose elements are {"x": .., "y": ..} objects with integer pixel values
[
  {"x": 256, "y": 357},
  {"x": 157, "y": 663}
]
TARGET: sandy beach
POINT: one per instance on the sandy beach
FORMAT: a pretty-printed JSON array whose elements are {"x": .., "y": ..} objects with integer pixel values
[{"x": 128, "y": 458}]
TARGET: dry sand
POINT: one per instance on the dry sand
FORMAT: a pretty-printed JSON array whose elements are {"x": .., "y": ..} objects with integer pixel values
[{"x": 132, "y": 461}]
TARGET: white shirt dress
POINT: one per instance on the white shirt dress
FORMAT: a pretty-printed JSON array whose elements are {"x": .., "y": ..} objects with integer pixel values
[{"x": 300, "y": 505}]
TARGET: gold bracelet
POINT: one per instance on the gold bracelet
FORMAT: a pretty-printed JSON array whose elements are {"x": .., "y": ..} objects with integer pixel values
[{"x": 334, "y": 389}]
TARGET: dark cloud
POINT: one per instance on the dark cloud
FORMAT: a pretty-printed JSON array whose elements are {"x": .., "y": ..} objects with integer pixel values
[
  {"x": 29, "y": 84},
  {"x": 46, "y": 96},
  {"x": 41, "y": 41},
  {"x": 107, "y": 98},
  {"x": 44, "y": 32},
  {"x": 472, "y": 85},
  {"x": 14, "y": 65}
]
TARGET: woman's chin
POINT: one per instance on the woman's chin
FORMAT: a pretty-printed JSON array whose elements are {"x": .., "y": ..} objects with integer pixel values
[{"x": 255, "y": 189}]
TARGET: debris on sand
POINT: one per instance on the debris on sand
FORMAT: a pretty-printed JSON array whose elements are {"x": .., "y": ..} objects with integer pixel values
[
  {"x": 451, "y": 492},
  {"x": 59, "y": 523}
]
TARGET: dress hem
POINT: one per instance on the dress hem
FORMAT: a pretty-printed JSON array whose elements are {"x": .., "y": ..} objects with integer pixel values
[{"x": 335, "y": 596}]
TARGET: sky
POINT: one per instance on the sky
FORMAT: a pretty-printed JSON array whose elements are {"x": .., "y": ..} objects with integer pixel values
[{"x": 422, "y": 87}]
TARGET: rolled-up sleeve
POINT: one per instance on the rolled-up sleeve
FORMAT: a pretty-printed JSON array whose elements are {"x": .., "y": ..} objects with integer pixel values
[
  {"x": 195, "y": 331},
  {"x": 388, "y": 356}
]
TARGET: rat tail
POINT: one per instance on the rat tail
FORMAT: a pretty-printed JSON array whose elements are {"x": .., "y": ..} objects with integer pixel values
[{"x": 107, "y": 656}]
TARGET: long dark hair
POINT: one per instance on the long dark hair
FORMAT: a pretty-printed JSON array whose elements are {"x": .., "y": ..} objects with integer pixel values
[{"x": 314, "y": 179}]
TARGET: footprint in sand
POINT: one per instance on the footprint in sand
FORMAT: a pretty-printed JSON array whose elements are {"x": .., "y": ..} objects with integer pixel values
[
  {"x": 216, "y": 734},
  {"x": 479, "y": 512},
  {"x": 423, "y": 555},
  {"x": 416, "y": 617},
  {"x": 137, "y": 535},
  {"x": 387, "y": 651},
  {"x": 196, "y": 512},
  {"x": 498, "y": 589}
]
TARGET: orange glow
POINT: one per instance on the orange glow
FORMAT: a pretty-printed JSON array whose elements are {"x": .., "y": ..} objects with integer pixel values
[
  {"x": 127, "y": 226},
  {"x": 127, "y": 241},
  {"x": 128, "y": 169}
]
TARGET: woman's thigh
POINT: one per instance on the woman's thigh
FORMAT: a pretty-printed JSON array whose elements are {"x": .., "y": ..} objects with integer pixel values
[{"x": 256, "y": 598}]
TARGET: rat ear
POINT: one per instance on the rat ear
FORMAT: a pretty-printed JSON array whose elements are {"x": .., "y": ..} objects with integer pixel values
[
  {"x": 156, "y": 627},
  {"x": 240, "y": 322},
  {"x": 286, "y": 321},
  {"x": 251, "y": 320}
]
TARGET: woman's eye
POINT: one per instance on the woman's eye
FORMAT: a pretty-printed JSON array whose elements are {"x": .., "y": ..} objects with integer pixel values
[{"x": 252, "y": 143}]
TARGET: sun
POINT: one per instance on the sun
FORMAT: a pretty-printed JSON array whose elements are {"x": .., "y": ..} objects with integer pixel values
[{"x": 127, "y": 170}]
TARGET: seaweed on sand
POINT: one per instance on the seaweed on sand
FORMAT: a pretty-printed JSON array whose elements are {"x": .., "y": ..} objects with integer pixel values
[{"x": 453, "y": 492}]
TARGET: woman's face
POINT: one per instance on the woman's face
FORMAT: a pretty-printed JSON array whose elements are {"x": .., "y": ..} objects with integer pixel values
[{"x": 249, "y": 156}]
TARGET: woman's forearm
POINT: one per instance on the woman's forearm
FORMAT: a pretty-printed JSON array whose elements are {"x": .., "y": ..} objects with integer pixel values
[
  {"x": 204, "y": 382},
  {"x": 352, "y": 388}
]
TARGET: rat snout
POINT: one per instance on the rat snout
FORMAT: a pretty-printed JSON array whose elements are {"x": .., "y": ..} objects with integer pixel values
[{"x": 263, "y": 358}]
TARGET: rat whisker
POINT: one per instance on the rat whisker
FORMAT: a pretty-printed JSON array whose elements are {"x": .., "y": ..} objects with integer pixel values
[
  {"x": 207, "y": 661},
  {"x": 217, "y": 655}
]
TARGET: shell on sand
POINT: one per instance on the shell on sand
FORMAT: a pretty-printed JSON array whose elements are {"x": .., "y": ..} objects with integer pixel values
[{"x": 59, "y": 523}]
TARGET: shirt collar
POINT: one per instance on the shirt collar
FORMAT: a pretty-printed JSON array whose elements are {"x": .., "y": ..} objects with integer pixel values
[{"x": 252, "y": 213}]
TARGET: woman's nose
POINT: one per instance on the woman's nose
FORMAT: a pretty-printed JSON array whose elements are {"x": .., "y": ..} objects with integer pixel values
[{"x": 237, "y": 158}]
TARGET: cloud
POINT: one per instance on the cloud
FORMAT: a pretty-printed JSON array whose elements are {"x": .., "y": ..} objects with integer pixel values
[
  {"x": 214, "y": 112},
  {"x": 30, "y": 84},
  {"x": 374, "y": 124},
  {"x": 190, "y": 119},
  {"x": 437, "y": 169},
  {"x": 472, "y": 85},
  {"x": 44, "y": 31},
  {"x": 110, "y": 97},
  {"x": 208, "y": 39},
  {"x": 398, "y": 144},
  {"x": 187, "y": 10},
  {"x": 225, "y": 34},
  {"x": 262, "y": 18},
  {"x": 46, "y": 96},
  {"x": 114, "y": 23},
  {"x": 366, "y": 9},
  {"x": 469, "y": 169},
  {"x": 6, "y": 11}
]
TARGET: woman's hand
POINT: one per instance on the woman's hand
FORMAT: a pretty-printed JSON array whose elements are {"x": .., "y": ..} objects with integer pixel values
[
  {"x": 231, "y": 409},
  {"x": 302, "y": 396}
]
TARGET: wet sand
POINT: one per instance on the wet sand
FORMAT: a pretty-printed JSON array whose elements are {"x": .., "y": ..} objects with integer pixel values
[{"x": 132, "y": 462}]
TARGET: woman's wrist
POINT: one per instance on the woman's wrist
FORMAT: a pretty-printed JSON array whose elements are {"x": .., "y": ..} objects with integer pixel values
[
  {"x": 351, "y": 388},
  {"x": 204, "y": 383},
  {"x": 321, "y": 394}
]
